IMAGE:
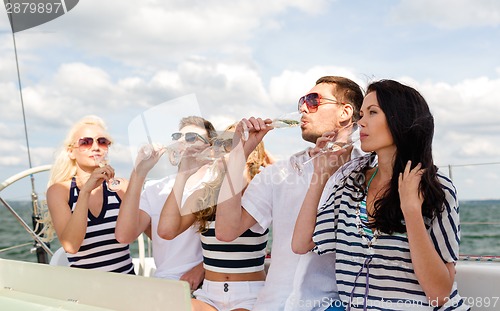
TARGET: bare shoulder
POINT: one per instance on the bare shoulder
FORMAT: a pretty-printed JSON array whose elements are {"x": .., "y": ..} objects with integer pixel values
[
  {"x": 58, "y": 188},
  {"x": 58, "y": 192}
]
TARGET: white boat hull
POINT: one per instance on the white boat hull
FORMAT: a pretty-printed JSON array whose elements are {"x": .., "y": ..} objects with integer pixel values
[
  {"x": 479, "y": 283},
  {"x": 32, "y": 286}
]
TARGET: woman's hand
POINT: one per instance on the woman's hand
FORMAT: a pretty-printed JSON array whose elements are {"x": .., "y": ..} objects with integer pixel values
[
  {"x": 147, "y": 157},
  {"x": 328, "y": 162},
  {"x": 255, "y": 129},
  {"x": 408, "y": 187},
  {"x": 194, "y": 276},
  {"x": 97, "y": 177}
]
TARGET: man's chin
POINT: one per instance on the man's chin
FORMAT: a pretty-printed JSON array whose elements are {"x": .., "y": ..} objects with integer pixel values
[{"x": 309, "y": 137}]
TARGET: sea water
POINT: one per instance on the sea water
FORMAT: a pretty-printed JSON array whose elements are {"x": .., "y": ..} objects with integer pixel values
[
  {"x": 480, "y": 230},
  {"x": 14, "y": 236}
]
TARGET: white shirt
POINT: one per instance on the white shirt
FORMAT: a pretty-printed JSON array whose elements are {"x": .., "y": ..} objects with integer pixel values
[
  {"x": 295, "y": 282},
  {"x": 174, "y": 257}
]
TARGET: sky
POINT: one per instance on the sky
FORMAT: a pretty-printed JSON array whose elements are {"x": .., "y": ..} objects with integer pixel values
[{"x": 232, "y": 59}]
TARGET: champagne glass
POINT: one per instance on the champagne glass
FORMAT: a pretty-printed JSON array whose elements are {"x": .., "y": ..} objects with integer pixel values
[
  {"x": 175, "y": 151},
  {"x": 344, "y": 138},
  {"x": 291, "y": 119},
  {"x": 146, "y": 150},
  {"x": 287, "y": 120},
  {"x": 211, "y": 153},
  {"x": 102, "y": 161}
]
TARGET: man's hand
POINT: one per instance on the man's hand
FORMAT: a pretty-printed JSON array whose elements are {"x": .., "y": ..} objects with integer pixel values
[
  {"x": 250, "y": 133},
  {"x": 194, "y": 276}
]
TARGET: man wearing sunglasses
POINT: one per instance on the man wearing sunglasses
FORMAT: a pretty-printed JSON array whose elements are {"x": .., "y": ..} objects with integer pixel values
[
  {"x": 274, "y": 197},
  {"x": 181, "y": 257},
  {"x": 189, "y": 137}
]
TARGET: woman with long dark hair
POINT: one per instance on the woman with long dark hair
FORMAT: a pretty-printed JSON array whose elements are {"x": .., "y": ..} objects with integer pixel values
[{"x": 393, "y": 223}]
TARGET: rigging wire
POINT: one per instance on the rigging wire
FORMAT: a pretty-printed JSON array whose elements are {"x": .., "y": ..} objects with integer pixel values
[
  {"x": 26, "y": 137},
  {"x": 42, "y": 256}
]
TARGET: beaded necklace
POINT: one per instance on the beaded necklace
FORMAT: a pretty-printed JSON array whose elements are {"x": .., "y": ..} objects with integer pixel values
[{"x": 359, "y": 223}]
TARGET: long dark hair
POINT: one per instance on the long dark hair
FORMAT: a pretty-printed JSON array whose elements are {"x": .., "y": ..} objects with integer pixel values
[{"x": 412, "y": 127}]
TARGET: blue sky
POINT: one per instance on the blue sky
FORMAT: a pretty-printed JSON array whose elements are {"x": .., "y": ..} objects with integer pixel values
[{"x": 241, "y": 58}]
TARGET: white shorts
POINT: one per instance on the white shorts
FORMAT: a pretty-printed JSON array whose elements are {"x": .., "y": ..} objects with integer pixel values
[{"x": 229, "y": 295}]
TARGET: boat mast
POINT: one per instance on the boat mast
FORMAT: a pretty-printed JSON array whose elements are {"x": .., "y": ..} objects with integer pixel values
[{"x": 36, "y": 215}]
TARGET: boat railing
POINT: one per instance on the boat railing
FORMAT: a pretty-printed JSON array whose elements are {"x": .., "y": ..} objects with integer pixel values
[
  {"x": 141, "y": 247},
  {"x": 35, "y": 236},
  {"x": 39, "y": 243},
  {"x": 450, "y": 167},
  {"x": 145, "y": 265},
  {"x": 479, "y": 258}
]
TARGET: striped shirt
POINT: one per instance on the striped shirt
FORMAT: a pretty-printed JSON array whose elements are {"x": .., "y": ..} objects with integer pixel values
[
  {"x": 100, "y": 250},
  {"x": 243, "y": 255},
  {"x": 382, "y": 277}
]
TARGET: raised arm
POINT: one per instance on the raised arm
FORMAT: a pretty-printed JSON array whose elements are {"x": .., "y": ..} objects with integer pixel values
[
  {"x": 324, "y": 167},
  {"x": 232, "y": 218},
  {"x": 435, "y": 276},
  {"x": 71, "y": 227},
  {"x": 306, "y": 220},
  {"x": 131, "y": 220},
  {"x": 172, "y": 222}
]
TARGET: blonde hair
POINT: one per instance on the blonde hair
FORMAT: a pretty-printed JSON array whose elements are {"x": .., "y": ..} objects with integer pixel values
[
  {"x": 48, "y": 233},
  {"x": 256, "y": 160},
  {"x": 208, "y": 202},
  {"x": 64, "y": 167}
]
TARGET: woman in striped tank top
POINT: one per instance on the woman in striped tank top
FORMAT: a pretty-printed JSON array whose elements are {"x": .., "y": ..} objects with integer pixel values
[
  {"x": 83, "y": 210},
  {"x": 394, "y": 226},
  {"x": 234, "y": 271}
]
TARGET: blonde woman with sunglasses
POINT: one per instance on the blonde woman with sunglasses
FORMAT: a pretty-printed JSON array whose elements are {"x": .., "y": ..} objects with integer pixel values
[{"x": 83, "y": 210}]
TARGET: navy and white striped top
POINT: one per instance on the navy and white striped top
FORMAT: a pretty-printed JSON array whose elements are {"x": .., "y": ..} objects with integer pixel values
[
  {"x": 243, "y": 255},
  {"x": 383, "y": 273},
  {"x": 100, "y": 250}
]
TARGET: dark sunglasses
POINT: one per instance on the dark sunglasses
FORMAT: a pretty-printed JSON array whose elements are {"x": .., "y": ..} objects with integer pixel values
[
  {"x": 85, "y": 143},
  {"x": 190, "y": 137},
  {"x": 313, "y": 100},
  {"x": 223, "y": 144}
]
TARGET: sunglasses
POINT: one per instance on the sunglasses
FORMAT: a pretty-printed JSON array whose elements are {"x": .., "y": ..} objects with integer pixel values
[
  {"x": 223, "y": 144},
  {"x": 190, "y": 137},
  {"x": 85, "y": 143},
  {"x": 313, "y": 100}
]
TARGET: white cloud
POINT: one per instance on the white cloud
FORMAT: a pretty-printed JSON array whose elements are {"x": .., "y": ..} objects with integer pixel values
[
  {"x": 286, "y": 88},
  {"x": 117, "y": 58},
  {"x": 167, "y": 31},
  {"x": 448, "y": 13},
  {"x": 466, "y": 119}
]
